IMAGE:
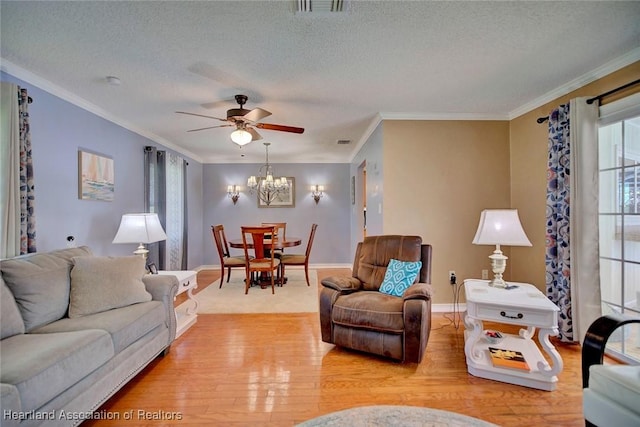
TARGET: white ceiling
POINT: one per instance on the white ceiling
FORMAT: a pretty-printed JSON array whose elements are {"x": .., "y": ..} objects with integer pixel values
[{"x": 335, "y": 74}]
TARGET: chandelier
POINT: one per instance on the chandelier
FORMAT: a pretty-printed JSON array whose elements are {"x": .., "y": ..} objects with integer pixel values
[{"x": 265, "y": 185}]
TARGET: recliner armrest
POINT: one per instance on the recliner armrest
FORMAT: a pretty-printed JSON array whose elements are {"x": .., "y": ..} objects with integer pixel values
[
  {"x": 342, "y": 284},
  {"x": 418, "y": 291}
]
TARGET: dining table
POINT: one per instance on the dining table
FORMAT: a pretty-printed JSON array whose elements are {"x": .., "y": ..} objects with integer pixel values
[
  {"x": 287, "y": 242},
  {"x": 280, "y": 243}
]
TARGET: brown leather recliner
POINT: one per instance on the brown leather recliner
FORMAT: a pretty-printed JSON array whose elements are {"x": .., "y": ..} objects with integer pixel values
[{"x": 354, "y": 314}]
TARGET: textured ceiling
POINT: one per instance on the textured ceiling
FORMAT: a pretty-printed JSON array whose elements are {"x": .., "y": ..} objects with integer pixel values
[{"x": 331, "y": 73}]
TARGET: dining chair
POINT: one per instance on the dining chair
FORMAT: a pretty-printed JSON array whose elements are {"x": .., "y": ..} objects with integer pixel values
[
  {"x": 299, "y": 259},
  {"x": 226, "y": 260},
  {"x": 260, "y": 262},
  {"x": 281, "y": 232}
]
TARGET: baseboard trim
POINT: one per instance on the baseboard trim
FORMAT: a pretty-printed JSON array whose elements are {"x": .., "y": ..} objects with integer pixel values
[{"x": 448, "y": 308}]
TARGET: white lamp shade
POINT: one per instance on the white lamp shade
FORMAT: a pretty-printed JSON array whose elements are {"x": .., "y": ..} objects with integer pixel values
[
  {"x": 500, "y": 227},
  {"x": 140, "y": 228}
]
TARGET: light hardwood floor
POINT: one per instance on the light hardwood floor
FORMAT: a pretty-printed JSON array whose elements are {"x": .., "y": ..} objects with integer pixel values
[{"x": 274, "y": 370}]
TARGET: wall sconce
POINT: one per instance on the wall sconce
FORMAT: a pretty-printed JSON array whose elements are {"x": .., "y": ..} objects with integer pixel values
[
  {"x": 316, "y": 192},
  {"x": 233, "y": 193}
]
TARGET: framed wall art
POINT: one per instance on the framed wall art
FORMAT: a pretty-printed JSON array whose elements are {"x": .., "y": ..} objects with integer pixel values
[
  {"x": 95, "y": 176},
  {"x": 285, "y": 199}
]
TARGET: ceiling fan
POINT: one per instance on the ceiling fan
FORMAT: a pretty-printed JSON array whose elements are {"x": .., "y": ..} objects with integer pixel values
[{"x": 245, "y": 122}]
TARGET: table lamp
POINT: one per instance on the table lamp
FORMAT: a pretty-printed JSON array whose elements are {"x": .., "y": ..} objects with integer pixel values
[
  {"x": 500, "y": 227},
  {"x": 140, "y": 228}
]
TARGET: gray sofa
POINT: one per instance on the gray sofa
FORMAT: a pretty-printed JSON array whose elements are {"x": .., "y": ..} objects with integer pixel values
[{"x": 74, "y": 329}]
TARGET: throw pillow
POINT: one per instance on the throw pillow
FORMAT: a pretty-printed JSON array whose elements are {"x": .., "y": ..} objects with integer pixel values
[
  {"x": 40, "y": 283},
  {"x": 399, "y": 276},
  {"x": 103, "y": 283}
]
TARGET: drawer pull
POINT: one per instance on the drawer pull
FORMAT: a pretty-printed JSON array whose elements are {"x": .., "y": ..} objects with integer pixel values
[{"x": 519, "y": 316}]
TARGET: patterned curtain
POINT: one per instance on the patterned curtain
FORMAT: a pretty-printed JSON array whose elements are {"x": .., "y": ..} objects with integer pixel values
[
  {"x": 558, "y": 256},
  {"x": 27, "y": 196},
  {"x": 17, "y": 192},
  {"x": 572, "y": 241}
]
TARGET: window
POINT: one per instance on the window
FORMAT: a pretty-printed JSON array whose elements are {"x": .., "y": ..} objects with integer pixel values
[{"x": 619, "y": 219}]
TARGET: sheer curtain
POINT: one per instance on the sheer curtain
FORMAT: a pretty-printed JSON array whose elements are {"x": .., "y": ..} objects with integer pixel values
[
  {"x": 166, "y": 195},
  {"x": 572, "y": 258},
  {"x": 18, "y": 229}
]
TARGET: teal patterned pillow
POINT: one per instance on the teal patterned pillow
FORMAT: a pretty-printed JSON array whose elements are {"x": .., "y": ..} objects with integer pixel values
[{"x": 399, "y": 276}]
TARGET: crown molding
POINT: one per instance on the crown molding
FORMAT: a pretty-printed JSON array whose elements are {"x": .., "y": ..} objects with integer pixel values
[
  {"x": 377, "y": 119},
  {"x": 443, "y": 116},
  {"x": 44, "y": 84},
  {"x": 600, "y": 72}
]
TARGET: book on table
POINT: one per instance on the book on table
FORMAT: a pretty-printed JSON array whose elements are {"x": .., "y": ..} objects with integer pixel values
[{"x": 508, "y": 359}]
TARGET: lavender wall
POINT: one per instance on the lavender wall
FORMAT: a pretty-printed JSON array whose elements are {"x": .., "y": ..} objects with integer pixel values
[
  {"x": 331, "y": 244},
  {"x": 59, "y": 129}
]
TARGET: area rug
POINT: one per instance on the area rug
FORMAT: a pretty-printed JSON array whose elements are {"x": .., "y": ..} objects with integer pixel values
[
  {"x": 384, "y": 416},
  {"x": 294, "y": 297}
]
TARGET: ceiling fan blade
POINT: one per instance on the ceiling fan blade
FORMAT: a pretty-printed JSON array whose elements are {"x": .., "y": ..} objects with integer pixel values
[
  {"x": 210, "y": 127},
  {"x": 254, "y": 134},
  {"x": 201, "y": 115},
  {"x": 282, "y": 128},
  {"x": 257, "y": 114},
  {"x": 215, "y": 104}
]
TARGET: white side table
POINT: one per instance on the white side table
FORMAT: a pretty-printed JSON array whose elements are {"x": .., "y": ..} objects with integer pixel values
[
  {"x": 187, "y": 316},
  {"x": 524, "y": 305}
]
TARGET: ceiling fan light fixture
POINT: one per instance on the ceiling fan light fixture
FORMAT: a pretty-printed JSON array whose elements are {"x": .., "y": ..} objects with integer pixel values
[{"x": 241, "y": 137}]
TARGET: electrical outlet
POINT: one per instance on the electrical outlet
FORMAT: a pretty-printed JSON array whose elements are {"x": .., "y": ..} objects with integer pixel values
[
  {"x": 485, "y": 274},
  {"x": 452, "y": 277}
]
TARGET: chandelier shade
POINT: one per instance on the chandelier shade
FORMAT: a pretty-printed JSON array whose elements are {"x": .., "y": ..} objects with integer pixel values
[{"x": 266, "y": 187}]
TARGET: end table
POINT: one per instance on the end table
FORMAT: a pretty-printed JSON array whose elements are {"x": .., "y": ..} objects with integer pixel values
[
  {"x": 187, "y": 316},
  {"x": 523, "y": 305}
]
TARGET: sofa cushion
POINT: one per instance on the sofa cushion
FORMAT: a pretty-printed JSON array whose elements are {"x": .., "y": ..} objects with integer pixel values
[
  {"x": 126, "y": 325},
  {"x": 10, "y": 319},
  {"x": 620, "y": 382},
  {"x": 369, "y": 310},
  {"x": 42, "y": 365},
  {"x": 40, "y": 284},
  {"x": 10, "y": 401},
  {"x": 103, "y": 283},
  {"x": 399, "y": 276}
]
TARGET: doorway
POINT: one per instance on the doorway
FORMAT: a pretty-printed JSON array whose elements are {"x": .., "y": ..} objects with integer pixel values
[{"x": 361, "y": 205}]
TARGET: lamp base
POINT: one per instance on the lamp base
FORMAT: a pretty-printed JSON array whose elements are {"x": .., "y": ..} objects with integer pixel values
[
  {"x": 498, "y": 283},
  {"x": 142, "y": 251},
  {"x": 498, "y": 265}
]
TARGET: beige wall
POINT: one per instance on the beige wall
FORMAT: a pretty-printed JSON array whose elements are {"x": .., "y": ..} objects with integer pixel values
[
  {"x": 528, "y": 141},
  {"x": 438, "y": 177}
]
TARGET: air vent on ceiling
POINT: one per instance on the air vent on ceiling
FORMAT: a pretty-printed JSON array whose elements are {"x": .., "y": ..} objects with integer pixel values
[
  {"x": 321, "y": 5},
  {"x": 344, "y": 141}
]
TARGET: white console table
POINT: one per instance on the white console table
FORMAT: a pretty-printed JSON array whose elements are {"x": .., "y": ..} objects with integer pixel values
[
  {"x": 524, "y": 305},
  {"x": 187, "y": 316}
]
